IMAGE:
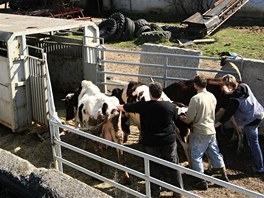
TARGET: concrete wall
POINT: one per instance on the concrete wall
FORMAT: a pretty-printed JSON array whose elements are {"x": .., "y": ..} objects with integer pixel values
[
  {"x": 252, "y": 74},
  {"x": 19, "y": 176},
  {"x": 176, "y": 61}
]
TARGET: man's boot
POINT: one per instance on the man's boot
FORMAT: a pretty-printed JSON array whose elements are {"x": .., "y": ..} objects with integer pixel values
[
  {"x": 200, "y": 184},
  {"x": 212, "y": 171},
  {"x": 224, "y": 174}
]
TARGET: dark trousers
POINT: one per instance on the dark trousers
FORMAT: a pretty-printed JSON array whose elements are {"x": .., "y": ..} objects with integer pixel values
[{"x": 169, "y": 153}]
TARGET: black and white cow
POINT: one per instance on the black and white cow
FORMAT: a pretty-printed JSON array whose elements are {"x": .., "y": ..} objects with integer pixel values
[{"x": 97, "y": 113}]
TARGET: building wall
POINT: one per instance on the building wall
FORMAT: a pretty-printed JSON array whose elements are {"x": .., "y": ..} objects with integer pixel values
[{"x": 254, "y": 8}]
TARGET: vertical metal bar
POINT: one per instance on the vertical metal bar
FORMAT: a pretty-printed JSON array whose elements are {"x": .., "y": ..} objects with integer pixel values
[
  {"x": 165, "y": 71},
  {"x": 54, "y": 130},
  {"x": 147, "y": 173}
]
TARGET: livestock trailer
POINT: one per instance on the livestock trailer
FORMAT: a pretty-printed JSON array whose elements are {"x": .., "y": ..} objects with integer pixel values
[{"x": 25, "y": 45}]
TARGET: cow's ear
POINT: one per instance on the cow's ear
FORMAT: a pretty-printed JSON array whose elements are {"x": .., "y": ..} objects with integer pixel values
[
  {"x": 140, "y": 98},
  {"x": 104, "y": 108}
]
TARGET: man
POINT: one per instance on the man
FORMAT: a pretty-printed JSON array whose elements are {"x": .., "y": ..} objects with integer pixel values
[
  {"x": 248, "y": 112},
  {"x": 201, "y": 113},
  {"x": 157, "y": 120}
]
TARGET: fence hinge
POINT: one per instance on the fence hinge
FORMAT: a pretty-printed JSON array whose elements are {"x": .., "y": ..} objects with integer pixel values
[{"x": 20, "y": 84}]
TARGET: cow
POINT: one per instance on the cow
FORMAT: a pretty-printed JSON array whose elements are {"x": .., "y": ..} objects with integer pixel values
[
  {"x": 97, "y": 113},
  {"x": 182, "y": 91}
]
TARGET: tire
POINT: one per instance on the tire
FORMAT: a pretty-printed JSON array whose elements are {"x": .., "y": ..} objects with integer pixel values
[
  {"x": 140, "y": 23},
  {"x": 141, "y": 30},
  {"x": 128, "y": 33},
  {"x": 154, "y": 36},
  {"x": 155, "y": 27},
  {"x": 120, "y": 22},
  {"x": 176, "y": 32},
  {"x": 107, "y": 28}
]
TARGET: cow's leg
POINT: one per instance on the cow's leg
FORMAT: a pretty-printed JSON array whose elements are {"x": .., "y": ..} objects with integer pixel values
[
  {"x": 119, "y": 138},
  {"x": 240, "y": 135},
  {"x": 122, "y": 161},
  {"x": 109, "y": 133},
  {"x": 185, "y": 146}
]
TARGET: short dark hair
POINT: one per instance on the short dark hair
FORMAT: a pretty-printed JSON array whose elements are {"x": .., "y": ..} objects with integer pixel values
[
  {"x": 155, "y": 89},
  {"x": 200, "y": 81}
]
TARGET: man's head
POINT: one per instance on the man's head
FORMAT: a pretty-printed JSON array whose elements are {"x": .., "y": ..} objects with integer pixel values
[
  {"x": 199, "y": 82},
  {"x": 155, "y": 90}
]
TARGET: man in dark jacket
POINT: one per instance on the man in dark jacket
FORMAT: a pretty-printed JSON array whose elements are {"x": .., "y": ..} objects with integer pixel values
[
  {"x": 157, "y": 120},
  {"x": 248, "y": 112}
]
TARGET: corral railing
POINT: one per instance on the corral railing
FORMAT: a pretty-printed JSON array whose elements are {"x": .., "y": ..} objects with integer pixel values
[
  {"x": 164, "y": 68},
  {"x": 56, "y": 125},
  {"x": 57, "y": 144}
]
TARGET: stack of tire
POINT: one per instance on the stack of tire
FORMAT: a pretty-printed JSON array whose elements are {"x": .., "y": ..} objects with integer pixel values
[{"x": 120, "y": 28}]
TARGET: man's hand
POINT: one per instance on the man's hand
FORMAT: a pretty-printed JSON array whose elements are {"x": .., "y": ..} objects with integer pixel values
[
  {"x": 217, "y": 124},
  {"x": 121, "y": 108},
  {"x": 182, "y": 117}
]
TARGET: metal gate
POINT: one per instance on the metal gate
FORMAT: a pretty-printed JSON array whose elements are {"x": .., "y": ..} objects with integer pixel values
[
  {"x": 57, "y": 143},
  {"x": 38, "y": 85}
]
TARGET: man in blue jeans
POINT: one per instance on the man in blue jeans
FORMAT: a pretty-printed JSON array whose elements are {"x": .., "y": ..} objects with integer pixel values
[
  {"x": 248, "y": 112},
  {"x": 157, "y": 120},
  {"x": 201, "y": 113}
]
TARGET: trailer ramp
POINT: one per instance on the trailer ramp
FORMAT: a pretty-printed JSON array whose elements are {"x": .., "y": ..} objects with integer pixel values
[{"x": 200, "y": 25}]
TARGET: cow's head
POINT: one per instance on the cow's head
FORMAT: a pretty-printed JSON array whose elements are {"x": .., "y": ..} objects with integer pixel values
[
  {"x": 117, "y": 92},
  {"x": 71, "y": 103},
  {"x": 141, "y": 93}
]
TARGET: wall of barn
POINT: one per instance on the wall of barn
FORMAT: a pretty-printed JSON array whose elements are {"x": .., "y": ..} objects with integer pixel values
[
  {"x": 254, "y": 8},
  {"x": 66, "y": 72}
]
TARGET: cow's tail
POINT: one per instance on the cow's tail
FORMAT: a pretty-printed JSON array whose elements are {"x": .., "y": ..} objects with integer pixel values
[{"x": 237, "y": 70}]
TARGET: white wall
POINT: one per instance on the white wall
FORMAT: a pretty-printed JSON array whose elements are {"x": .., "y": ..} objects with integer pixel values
[
  {"x": 140, "y": 5},
  {"x": 251, "y": 7}
]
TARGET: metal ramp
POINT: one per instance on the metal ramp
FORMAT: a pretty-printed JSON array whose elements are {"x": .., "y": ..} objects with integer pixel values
[{"x": 200, "y": 25}]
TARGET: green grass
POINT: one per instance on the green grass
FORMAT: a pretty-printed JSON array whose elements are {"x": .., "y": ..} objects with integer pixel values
[{"x": 245, "y": 42}]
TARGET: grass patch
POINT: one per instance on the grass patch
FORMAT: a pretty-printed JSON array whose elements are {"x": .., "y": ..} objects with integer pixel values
[{"x": 245, "y": 42}]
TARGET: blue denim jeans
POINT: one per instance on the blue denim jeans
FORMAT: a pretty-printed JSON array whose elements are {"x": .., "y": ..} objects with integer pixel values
[
  {"x": 199, "y": 144},
  {"x": 253, "y": 143}
]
